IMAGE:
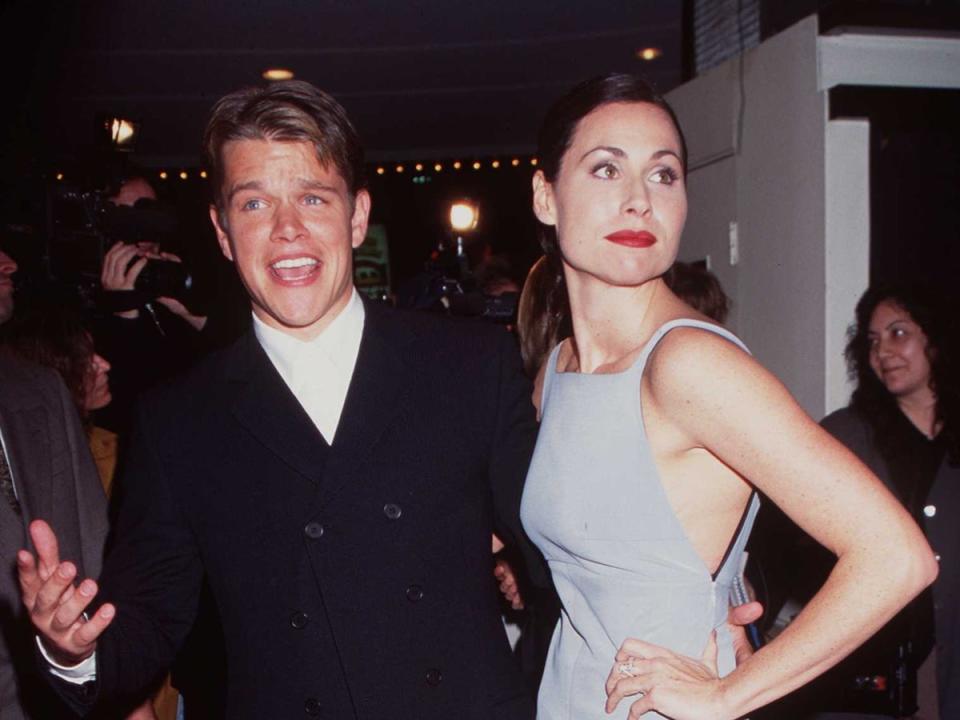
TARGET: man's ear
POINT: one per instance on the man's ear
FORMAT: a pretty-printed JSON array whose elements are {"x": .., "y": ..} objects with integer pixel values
[
  {"x": 361, "y": 216},
  {"x": 543, "y": 203},
  {"x": 222, "y": 237}
]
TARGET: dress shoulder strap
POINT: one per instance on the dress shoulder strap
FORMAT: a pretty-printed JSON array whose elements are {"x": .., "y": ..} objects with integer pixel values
[
  {"x": 661, "y": 332},
  {"x": 549, "y": 374}
]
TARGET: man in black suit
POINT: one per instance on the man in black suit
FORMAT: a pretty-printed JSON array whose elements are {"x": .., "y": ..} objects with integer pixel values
[{"x": 336, "y": 474}]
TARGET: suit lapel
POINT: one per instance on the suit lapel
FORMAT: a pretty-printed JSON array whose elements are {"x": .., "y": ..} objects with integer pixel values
[
  {"x": 379, "y": 386},
  {"x": 26, "y": 437},
  {"x": 265, "y": 406}
]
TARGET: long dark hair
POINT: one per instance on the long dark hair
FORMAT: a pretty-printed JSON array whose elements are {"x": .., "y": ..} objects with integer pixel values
[
  {"x": 556, "y": 134},
  {"x": 55, "y": 334},
  {"x": 871, "y": 399}
]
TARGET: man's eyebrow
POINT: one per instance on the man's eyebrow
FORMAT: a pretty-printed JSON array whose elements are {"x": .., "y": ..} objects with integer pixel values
[
  {"x": 304, "y": 183},
  {"x": 308, "y": 184},
  {"x": 249, "y": 185}
]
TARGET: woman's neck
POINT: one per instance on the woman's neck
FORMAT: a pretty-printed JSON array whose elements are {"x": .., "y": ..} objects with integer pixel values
[
  {"x": 609, "y": 323},
  {"x": 921, "y": 410}
]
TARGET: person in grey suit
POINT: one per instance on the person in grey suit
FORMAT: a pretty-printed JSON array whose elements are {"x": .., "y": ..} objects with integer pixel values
[{"x": 46, "y": 471}]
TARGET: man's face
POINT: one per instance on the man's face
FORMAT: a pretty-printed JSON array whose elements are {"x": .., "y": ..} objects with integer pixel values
[
  {"x": 290, "y": 226},
  {"x": 7, "y": 268}
]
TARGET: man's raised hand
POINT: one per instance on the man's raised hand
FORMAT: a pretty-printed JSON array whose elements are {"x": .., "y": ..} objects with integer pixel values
[{"x": 56, "y": 605}]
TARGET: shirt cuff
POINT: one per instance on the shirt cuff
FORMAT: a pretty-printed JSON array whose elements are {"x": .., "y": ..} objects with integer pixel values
[{"x": 84, "y": 672}]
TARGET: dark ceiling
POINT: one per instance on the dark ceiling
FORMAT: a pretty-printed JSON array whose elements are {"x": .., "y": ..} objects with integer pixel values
[{"x": 420, "y": 78}]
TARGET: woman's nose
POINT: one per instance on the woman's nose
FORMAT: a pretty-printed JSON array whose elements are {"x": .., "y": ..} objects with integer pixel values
[{"x": 637, "y": 200}]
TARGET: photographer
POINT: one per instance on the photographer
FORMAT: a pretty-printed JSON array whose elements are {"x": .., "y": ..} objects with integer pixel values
[{"x": 148, "y": 333}]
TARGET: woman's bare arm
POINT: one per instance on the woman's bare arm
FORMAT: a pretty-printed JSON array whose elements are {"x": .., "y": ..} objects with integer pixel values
[{"x": 720, "y": 399}]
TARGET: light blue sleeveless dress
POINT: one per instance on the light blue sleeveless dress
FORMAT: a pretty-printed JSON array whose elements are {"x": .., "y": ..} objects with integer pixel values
[{"x": 620, "y": 559}]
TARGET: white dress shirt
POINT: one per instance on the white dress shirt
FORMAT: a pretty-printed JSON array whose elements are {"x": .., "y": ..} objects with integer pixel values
[{"x": 318, "y": 373}]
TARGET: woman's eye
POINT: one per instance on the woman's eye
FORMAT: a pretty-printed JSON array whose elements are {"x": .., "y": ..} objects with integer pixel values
[
  {"x": 606, "y": 171},
  {"x": 665, "y": 176}
]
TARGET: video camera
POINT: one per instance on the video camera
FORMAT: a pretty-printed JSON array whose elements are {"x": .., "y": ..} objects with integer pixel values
[{"x": 84, "y": 224}]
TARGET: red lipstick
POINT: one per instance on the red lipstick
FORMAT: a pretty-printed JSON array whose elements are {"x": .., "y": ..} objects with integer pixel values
[{"x": 632, "y": 238}]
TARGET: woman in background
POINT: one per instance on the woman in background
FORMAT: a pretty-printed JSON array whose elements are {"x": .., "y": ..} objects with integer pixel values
[
  {"x": 902, "y": 422},
  {"x": 656, "y": 426}
]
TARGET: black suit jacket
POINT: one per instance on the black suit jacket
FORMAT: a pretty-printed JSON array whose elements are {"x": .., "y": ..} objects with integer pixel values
[{"x": 353, "y": 581}]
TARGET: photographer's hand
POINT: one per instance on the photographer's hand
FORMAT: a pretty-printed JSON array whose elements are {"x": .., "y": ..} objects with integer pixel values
[
  {"x": 178, "y": 308},
  {"x": 120, "y": 271}
]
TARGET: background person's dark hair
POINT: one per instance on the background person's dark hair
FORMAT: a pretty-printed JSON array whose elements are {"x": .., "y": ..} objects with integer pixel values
[
  {"x": 699, "y": 288},
  {"x": 287, "y": 111},
  {"x": 556, "y": 134},
  {"x": 872, "y": 400},
  {"x": 54, "y": 334}
]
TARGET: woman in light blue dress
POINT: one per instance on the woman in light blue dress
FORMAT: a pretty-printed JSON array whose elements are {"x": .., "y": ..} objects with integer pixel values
[{"x": 658, "y": 429}]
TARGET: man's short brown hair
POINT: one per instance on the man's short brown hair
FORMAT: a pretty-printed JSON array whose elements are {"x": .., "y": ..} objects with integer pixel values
[{"x": 290, "y": 111}]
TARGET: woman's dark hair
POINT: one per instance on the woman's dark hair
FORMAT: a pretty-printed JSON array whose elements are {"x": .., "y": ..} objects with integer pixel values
[
  {"x": 556, "y": 134},
  {"x": 871, "y": 399},
  {"x": 538, "y": 328},
  {"x": 55, "y": 336}
]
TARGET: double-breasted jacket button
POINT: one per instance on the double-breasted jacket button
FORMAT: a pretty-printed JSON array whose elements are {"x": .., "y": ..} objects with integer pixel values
[
  {"x": 392, "y": 511},
  {"x": 299, "y": 620},
  {"x": 929, "y": 510},
  {"x": 414, "y": 593},
  {"x": 434, "y": 677},
  {"x": 311, "y": 706},
  {"x": 313, "y": 530}
]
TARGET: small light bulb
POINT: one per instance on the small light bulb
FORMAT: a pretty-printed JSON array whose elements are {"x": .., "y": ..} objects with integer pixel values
[
  {"x": 163, "y": 174},
  {"x": 495, "y": 164},
  {"x": 515, "y": 162},
  {"x": 438, "y": 167},
  {"x": 203, "y": 174},
  {"x": 381, "y": 171},
  {"x": 277, "y": 74},
  {"x": 463, "y": 216},
  {"x": 399, "y": 168},
  {"x": 456, "y": 165},
  {"x": 183, "y": 175}
]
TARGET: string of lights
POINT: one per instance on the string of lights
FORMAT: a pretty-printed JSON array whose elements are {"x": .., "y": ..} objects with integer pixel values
[{"x": 418, "y": 168}]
